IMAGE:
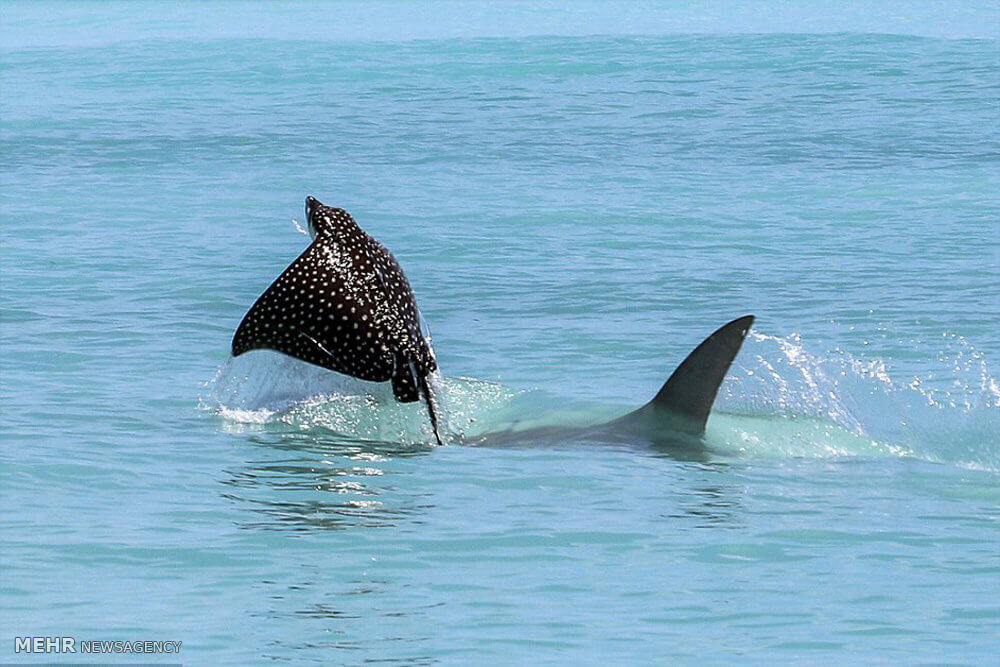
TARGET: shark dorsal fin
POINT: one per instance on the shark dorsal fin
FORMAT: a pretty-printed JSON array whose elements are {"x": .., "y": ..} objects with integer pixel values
[
  {"x": 684, "y": 401},
  {"x": 688, "y": 394}
]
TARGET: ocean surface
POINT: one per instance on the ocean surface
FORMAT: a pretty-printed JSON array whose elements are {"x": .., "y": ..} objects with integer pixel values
[{"x": 578, "y": 195}]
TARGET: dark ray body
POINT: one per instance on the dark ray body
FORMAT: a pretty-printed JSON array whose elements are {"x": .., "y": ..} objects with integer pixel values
[{"x": 346, "y": 305}]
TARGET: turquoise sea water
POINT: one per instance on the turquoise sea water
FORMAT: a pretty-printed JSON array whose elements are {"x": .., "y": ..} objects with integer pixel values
[{"x": 578, "y": 196}]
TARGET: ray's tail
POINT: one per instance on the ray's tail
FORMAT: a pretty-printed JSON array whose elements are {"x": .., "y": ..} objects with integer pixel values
[
  {"x": 431, "y": 404},
  {"x": 409, "y": 383}
]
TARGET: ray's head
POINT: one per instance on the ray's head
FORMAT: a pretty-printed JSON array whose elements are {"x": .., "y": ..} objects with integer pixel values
[{"x": 324, "y": 219}]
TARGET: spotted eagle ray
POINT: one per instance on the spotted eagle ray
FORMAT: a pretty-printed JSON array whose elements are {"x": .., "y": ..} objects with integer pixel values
[{"x": 346, "y": 305}]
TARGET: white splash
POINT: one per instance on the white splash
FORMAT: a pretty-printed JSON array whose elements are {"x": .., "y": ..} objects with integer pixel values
[
  {"x": 267, "y": 388},
  {"x": 808, "y": 398}
]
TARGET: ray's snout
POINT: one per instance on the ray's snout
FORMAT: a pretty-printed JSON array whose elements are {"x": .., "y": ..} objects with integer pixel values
[{"x": 311, "y": 205}]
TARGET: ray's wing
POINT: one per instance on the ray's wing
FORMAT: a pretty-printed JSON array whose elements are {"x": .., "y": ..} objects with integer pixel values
[
  {"x": 413, "y": 357},
  {"x": 315, "y": 312},
  {"x": 400, "y": 295}
]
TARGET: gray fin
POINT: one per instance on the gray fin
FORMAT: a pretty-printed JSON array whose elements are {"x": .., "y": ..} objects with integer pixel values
[{"x": 687, "y": 396}]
